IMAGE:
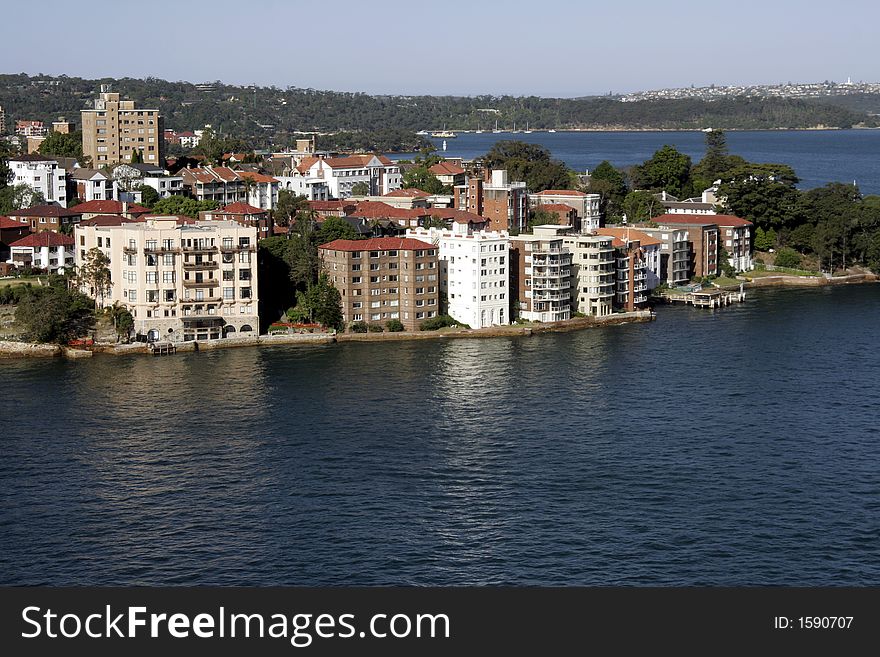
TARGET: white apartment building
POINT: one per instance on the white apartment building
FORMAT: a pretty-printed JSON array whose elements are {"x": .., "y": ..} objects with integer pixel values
[
  {"x": 42, "y": 174},
  {"x": 46, "y": 250},
  {"x": 341, "y": 174},
  {"x": 93, "y": 185},
  {"x": 181, "y": 281},
  {"x": 165, "y": 185},
  {"x": 474, "y": 273},
  {"x": 592, "y": 283}
]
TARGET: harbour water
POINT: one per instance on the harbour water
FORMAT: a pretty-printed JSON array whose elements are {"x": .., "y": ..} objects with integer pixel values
[
  {"x": 728, "y": 447},
  {"x": 818, "y": 156}
]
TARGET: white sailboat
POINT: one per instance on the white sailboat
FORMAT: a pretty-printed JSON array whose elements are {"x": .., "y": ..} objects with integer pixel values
[
  {"x": 527, "y": 131},
  {"x": 496, "y": 130}
]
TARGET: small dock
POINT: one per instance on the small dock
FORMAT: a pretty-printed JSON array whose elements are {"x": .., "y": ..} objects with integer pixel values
[
  {"x": 705, "y": 298},
  {"x": 162, "y": 348}
]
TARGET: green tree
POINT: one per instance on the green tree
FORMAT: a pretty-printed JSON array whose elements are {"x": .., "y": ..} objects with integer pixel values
[
  {"x": 765, "y": 201},
  {"x": 289, "y": 207},
  {"x": 149, "y": 196},
  {"x": 123, "y": 321},
  {"x": 183, "y": 205},
  {"x": 54, "y": 314},
  {"x": 641, "y": 206},
  {"x": 59, "y": 144},
  {"x": 716, "y": 163},
  {"x": 786, "y": 257},
  {"x": 541, "y": 217},
  {"x": 322, "y": 303},
  {"x": 394, "y": 325},
  {"x": 610, "y": 184},
  {"x": 667, "y": 170},
  {"x": 94, "y": 275},
  {"x": 530, "y": 163},
  {"x": 136, "y": 157},
  {"x": 335, "y": 228},
  {"x": 19, "y": 197},
  {"x": 276, "y": 287},
  {"x": 302, "y": 255},
  {"x": 361, "y": 188}
]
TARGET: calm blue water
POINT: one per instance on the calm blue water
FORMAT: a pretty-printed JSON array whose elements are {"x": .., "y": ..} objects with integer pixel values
[
  {"x": 739, "y": 446},
  {"x": 818, "y": 156}
]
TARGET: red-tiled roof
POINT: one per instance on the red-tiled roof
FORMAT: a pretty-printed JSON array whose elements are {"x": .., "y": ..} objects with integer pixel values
[
  {"x": 319, "y": 206},
  {"x": 458, "y": 216},
  {"x": 557, "y": 207},
  {"x": 47, "y": 211},
  {"x": 46, "y": 238},
  {"x": 643, "y": 238},
  {"x": 110, "y": 220},
  {"x": 376, "y": 244},
  {"x": 380, "y": 210},
  {"x": 446, "y": 169},
  {"x": 239, "y": 208},
  {"x": 110, "y": 207},
  {"x": 702, "y": 219},
  {"x": 408, "y": 193},
  {"x": 306, "y": 164},
  {"x": 6, "y": 222},
  {"x": 559, "y": 192},
  {"x": 257, "y": 177}
]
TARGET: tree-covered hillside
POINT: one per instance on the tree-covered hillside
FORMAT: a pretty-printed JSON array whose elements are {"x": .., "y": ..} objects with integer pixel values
[{"x": 271, "y": 115}]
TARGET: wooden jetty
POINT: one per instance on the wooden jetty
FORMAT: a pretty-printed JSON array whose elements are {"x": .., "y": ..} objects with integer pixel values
[
  {"x": 162, "y": 348},
  {"x": 705, "y": 298}
]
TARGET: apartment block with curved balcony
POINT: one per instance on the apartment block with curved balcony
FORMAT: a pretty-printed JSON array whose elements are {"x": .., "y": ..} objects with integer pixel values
[
  {"x": 540, "y": 276},
  {"x": 593, "y": 286}
]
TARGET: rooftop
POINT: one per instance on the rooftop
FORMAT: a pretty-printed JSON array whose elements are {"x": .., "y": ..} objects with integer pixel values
[
  {"x": 376, "y": 244},
  {"x": 702, "y": 219},
  {"x": 46, "y": 238}
]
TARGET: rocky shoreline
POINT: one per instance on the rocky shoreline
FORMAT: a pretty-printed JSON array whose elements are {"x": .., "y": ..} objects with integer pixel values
[{"x": 24, "y": 350}]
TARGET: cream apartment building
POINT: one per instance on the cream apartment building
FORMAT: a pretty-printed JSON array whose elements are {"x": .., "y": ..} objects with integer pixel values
[
  {"x": 115, "y": 128},
  {"x": 181, "y": 281}
]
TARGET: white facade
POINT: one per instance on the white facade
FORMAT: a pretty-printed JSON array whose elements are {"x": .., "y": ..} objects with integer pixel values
[
  {"x": 53, "y": 259},
  {"x": 342, "y": 174},
  {"x": 314, "y": 189},
  {"x": 165, "y": 185},
  {"x": 94, "y": 185},
  {"x": 42, "y": 175},
  {"x": 653, "y": 265},
  {"x": 474, "y": 273},
  {"x": 181, "y": 282},
  {"x": 586, "y": 205}
]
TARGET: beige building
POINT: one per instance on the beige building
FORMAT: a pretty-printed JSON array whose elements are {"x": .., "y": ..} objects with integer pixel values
[
  {"x": 115, "y": 128},
  {"x": 540, "y": 275},
  {"x": 181, "y": 281},
  {"x": 384, "y": 278},
  {"x": 593, "y": 277}
]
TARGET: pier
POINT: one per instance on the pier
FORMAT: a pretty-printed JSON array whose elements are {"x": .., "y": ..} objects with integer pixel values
[
  {"x": 705, "y": 298},
  {"x": 162, "y": 348}
]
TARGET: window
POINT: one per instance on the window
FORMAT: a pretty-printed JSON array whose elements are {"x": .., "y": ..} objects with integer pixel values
[
  {"x": 228, "y": 275},
  {"x": 245, "y": 293},
  {"x": 168, "y": 260},
  {"x": 168, "y": 276},
  {"x": 228, "y": 293},
  {"x": 152, "y": 277},
  {"x": 244, "y": 274},
  {"x": 152, "y": 296},
  {"x": 355, "y": 279},
  {"x": 169, "y": 295},
  {"x": 168, "y": 244},
  {"x": 244, "y": 257}
]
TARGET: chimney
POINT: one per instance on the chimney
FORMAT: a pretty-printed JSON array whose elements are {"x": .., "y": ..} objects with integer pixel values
[{"x": 124, "y": 207}]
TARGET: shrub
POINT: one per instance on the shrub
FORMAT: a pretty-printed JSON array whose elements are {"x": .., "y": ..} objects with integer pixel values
[
  {"x": 439, "y": 322},
  {"x": 375, "y": 328},
  {"x": 358, "y": 327},
  {"x": 394, "y": 325},
  {"x": 787, "y": 257}
]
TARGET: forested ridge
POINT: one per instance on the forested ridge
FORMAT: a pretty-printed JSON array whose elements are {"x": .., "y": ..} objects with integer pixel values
[{"x": 271, "y": 115}]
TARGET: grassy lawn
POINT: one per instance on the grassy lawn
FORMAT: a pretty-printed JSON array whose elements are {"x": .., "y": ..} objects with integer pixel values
[
  {"x": 724, "y": 281},
  {"x": 4, "y": 282},
  {"x": 780, "y": 272}
]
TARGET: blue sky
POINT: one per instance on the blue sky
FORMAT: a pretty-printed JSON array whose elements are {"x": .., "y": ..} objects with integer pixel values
[{"x": 549, "y": 48}]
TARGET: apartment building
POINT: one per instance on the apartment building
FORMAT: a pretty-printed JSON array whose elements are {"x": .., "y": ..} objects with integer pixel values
[
  {"x": 735, "y": 235},
  {"x": 244, "y": 214},
  {"x": 42, "y": 174},
  {"x": 540, "y": 275},
  {"x": 341, "y": 174},
  {"x": 703, "y": 238},
  {"x": 651, "y": 248},
  {"x": 51, "y": 252},
  {"x": 115, "y": 129},
  {"x": 593, "y": 269},
  {"x": 181, "y": 280},
  {"x": 92, "y": 185},
  {"x": 675, "y": 254},
  {"x": 261, "y": 191},
  {"x": 504, "y": 203},
  {"x": 474, "y": 273},
  {"x": 40, "y": 218},
  {"x": 449, "y": 173},
  {"x": 586, "y": 206},
  {"x": 220, "y": 184},
  {"x": 384, "y": 278},
  {"x": 91, "y": 209}
]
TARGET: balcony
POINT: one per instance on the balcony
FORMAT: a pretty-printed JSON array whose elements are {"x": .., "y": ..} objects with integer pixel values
[
  {"x": 543, "y": 295},
  {"x": 208, "y": 264},
  {"x": 129, "y": 250},
  {"x": 227, "y": 248},
  {"x": 204, "y": 300},
  {"x": 200, "y": 249},
  {"x": 208, "y": 282},
  {"x": 550, "y": 285},
  {"x": 158, "y": 250}
]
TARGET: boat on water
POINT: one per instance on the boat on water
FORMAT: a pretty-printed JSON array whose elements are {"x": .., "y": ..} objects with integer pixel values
[
  {"x": 423, "y": 133},
  {"x": 445, "y": 134},
  {"x": 551, "y": 130},
  {"x": 527, "y": 131},
  {"x": 496, "y": 130}
]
